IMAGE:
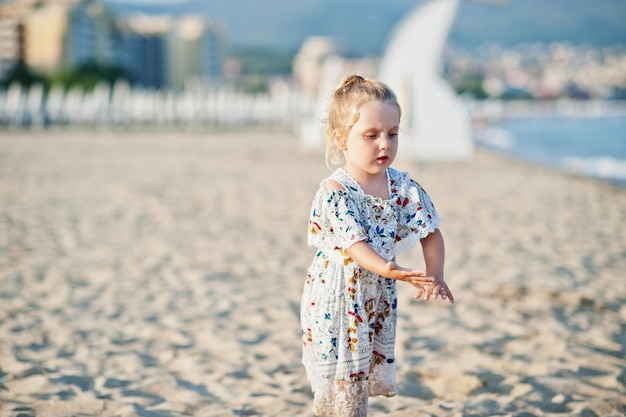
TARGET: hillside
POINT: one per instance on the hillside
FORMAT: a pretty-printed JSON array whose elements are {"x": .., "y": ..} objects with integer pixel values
[{"x": 362, "y": 26}]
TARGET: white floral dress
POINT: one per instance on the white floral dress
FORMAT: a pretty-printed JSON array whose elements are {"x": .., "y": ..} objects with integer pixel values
[{"x": 348, "y": 313}]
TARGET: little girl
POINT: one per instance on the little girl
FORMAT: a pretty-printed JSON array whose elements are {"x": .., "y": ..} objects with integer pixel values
[{"x": 361, "y": 217}]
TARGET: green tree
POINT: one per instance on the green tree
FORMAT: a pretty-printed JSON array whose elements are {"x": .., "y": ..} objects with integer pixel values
[
  {"x": 87, "y": 75},
  {"x": 22, "y": 74}
]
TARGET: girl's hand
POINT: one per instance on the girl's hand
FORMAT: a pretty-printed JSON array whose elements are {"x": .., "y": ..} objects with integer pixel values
[
  {"x": 412, "y": 276},
  {"x": 435, "y": 289}
]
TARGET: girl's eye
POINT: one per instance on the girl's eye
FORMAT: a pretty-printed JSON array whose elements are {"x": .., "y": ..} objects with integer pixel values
[
  {"x": 371, "y": 135},
  {"x": 393, "y": 134}
]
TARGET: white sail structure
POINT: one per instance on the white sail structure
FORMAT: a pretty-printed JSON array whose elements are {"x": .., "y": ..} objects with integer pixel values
[{"x": 435, "y": 123}]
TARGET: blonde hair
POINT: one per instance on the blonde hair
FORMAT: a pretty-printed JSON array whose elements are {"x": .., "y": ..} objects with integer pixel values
[{"x": 344, "y": 110}]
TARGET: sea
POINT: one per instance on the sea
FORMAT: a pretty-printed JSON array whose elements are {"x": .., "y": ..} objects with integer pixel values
[{"x": 583, "y": 140}]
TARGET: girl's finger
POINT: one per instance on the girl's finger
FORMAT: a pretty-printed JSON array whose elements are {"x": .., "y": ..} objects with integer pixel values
[
  {"x": 419, "y": 293},
  {"x": 426, "y": 279},
  {"x": 446, "y": 293},
  {"x": 436, "y": 289},
  {"x": 429, "y": 290}
]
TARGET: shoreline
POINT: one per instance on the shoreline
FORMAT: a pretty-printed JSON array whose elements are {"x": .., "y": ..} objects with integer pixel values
[
  {"x": 553, "y": 168},
  {"x": 481, "y": 145}
]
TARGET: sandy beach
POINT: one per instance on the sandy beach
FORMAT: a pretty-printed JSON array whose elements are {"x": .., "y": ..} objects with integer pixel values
[{"x": 158, "y": 274}]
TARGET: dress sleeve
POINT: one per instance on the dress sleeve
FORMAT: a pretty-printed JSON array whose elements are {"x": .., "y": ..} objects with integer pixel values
[
  {"x": 334, "y": 222},
  {"x": 417, "y": 216}
]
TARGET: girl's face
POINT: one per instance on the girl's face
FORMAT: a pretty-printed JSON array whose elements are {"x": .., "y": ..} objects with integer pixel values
[{"x": 372, "y": 143}]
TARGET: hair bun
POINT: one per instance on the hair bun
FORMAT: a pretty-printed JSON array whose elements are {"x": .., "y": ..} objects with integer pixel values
[
  {"x": 348, "y": 83},
  {"x": 352, "y": 80}
]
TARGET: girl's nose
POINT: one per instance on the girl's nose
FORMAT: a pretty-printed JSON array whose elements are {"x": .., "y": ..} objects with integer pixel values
[{"x": 384, "y": 142}]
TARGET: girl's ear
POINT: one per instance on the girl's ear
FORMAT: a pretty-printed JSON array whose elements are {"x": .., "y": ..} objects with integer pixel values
[{"x": 339, "y": 140}]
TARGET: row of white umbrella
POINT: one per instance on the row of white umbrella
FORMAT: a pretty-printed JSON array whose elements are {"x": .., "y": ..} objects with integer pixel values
[{"x": 123, "y": 105}]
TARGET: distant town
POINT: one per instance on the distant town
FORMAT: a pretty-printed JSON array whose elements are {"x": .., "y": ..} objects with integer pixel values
[
  {"x": 536, "y": 71},
  {"x": 45, "y": 38},
  {"x": 68, "y": 44}
]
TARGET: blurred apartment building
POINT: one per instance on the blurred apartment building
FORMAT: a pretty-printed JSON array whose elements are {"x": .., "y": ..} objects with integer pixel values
[
  {"x": 154, "y": 51},
  {"x": 319, "y": 63}
]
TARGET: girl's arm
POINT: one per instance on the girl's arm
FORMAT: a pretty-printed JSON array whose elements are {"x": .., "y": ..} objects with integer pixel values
[
  {"x": 434, "y": 255},
  {"x": 364, "y": 255}
]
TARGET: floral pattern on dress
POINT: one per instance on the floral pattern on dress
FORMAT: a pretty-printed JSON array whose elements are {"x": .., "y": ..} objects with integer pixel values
[{"x": 348, "y": 313}]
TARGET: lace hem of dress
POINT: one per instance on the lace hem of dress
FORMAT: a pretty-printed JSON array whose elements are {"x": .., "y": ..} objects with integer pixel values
[
  {"x": 340, "y": 398},
  {"x": 350, "y": 398}
]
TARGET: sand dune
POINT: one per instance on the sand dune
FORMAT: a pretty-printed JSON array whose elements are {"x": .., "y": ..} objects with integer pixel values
[{"x": 159, "y": 274}]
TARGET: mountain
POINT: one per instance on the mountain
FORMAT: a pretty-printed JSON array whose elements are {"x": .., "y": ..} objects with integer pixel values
[
  {"x": 596, "y": 22},
  {"x": 362, "y": 27}
]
